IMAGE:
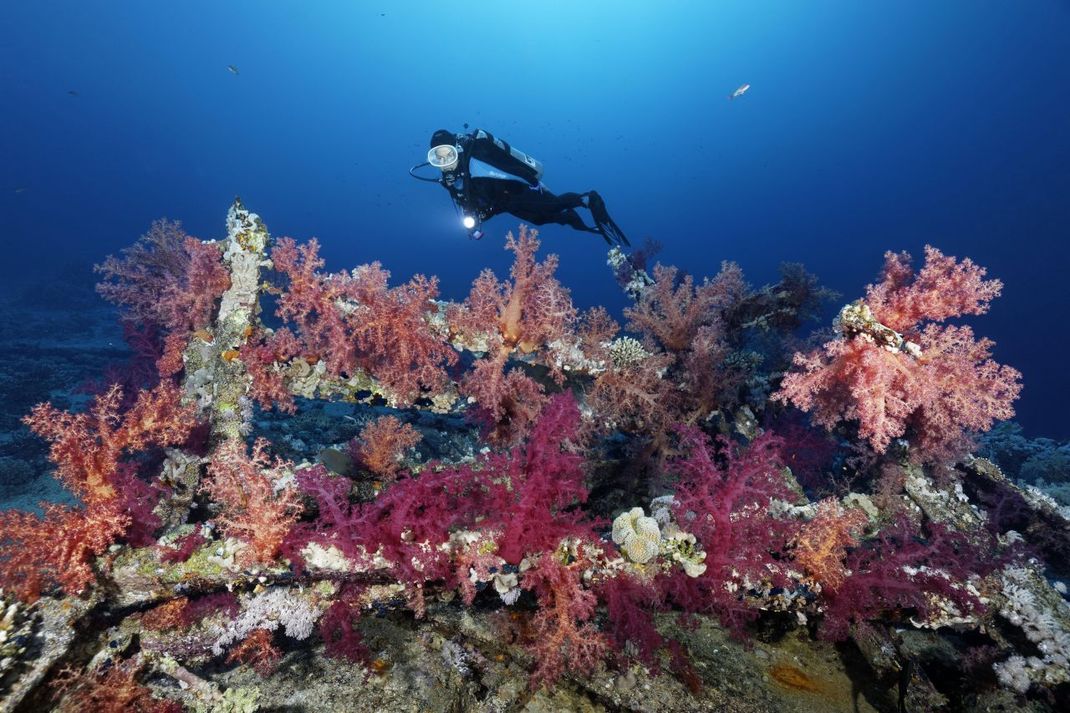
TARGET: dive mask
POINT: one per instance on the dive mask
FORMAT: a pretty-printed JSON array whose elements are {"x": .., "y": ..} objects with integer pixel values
[{"x": 443, "y": 157}]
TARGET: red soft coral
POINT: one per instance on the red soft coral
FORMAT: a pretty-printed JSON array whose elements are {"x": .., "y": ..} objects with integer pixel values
[
  {"x": 382, "y": 444},
  {"x": 254, "y": 508},
  {"x": 111, "y": 689},
  {"x": 258, "y": 650},
  {"x": 355, "y": 321},
  {"x": 934, "y": 381}
]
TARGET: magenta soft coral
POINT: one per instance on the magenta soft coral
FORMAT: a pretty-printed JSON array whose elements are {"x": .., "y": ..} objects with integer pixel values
[
  {"x": 935, "y": 383},
  {"x": 527, "y": 495},
  {"x": 356, "y": 321},
  {"x": 905, "y": 569},
  {"x": 724, "y": 503}
]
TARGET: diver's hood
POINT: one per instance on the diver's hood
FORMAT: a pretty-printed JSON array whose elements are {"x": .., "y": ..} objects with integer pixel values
[
  {"x": 443, "y": 156},
  {"x": 442, "y": 136}
]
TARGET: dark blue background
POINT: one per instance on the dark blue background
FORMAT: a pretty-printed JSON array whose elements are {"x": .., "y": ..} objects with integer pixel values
[{"x": 870, "y": 126}]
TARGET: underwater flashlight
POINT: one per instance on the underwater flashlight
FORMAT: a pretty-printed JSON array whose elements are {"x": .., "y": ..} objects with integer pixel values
[{"x": 469, "y": 222}]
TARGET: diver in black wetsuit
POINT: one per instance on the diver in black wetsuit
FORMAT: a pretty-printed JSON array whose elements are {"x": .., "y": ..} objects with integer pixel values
[{"x": 486, "y": 176}]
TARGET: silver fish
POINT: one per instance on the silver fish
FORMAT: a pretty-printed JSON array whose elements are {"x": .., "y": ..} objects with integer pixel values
[
  {"x": 739, "y": 92},
  {"x": 232, "y": 69}
]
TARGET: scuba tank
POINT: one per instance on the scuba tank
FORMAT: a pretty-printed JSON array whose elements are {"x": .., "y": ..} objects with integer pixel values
[{"x": 499, "y": 154}]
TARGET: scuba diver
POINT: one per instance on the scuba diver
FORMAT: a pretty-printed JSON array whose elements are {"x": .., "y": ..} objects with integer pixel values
[{"x": 486, "y": 176}]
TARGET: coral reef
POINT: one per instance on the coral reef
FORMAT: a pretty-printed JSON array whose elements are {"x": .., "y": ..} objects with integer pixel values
[{"x": 630, "y": 498}]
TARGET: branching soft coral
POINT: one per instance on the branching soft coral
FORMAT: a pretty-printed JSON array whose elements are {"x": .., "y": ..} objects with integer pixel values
[
  {"x": 356, "y": 321},
  {"x": 725, "y": 506},
  {"x": 670, "y": 312},
  {"x": 905, "y": 569},
  {"x": 167, "y": 279},
  {"x": 681, "y": 376},
  {"x": 942, "y": 289},
  {"x": 563, "y": 637},
  {"x": 57, "y": 550},
  {"x": 87, "y": 447},
  {"x": 526, "y": 495},
  {"x": 382, "y": 444},
  {"x": 821, "y": 544},
  {"x": 258, "y": 650},
  {"x": 254, "y": 508},
  {"x": 111, "y": 690},
  {"x": 264, "y": 357},
  {"x": 526, "y": 313},
  {"x": 896, "y": 376}
]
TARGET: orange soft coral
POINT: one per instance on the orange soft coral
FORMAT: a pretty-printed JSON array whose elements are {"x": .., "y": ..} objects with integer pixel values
[
  {"x": 671, "y": 312},
  {"x": 86, "y": 447},
  {"x": 58, "y": 549},
  {"x": 258, "y": 650},
  {"x": 563, "y": 637},
  {"x": 253, "y": 509},
  {"x": 382, "y": 444},
  {"x": 822, "y": 543}
]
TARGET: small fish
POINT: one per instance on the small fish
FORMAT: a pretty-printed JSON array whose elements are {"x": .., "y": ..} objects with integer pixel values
[
  {"x": 72, "y": 92},
  {"x": 20, "y": 189},
  {"x": 232, "y": 69},
  {"x": 739, "y": 92}
]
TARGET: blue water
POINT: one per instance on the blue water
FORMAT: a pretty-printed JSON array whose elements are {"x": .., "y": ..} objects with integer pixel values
[{"x": 869, "y": 126}]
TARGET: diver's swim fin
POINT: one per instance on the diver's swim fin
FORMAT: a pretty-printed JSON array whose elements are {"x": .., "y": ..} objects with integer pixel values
[{"x": 609, "y": 229}]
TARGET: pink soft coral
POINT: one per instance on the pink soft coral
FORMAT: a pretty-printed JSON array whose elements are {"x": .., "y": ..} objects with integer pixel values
[
  {"x": 355, "y": 321},
  {"x": 167, "y": 279},
  {"x": 934, "y": 381},
  {"x": 523, "y": 314}
]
